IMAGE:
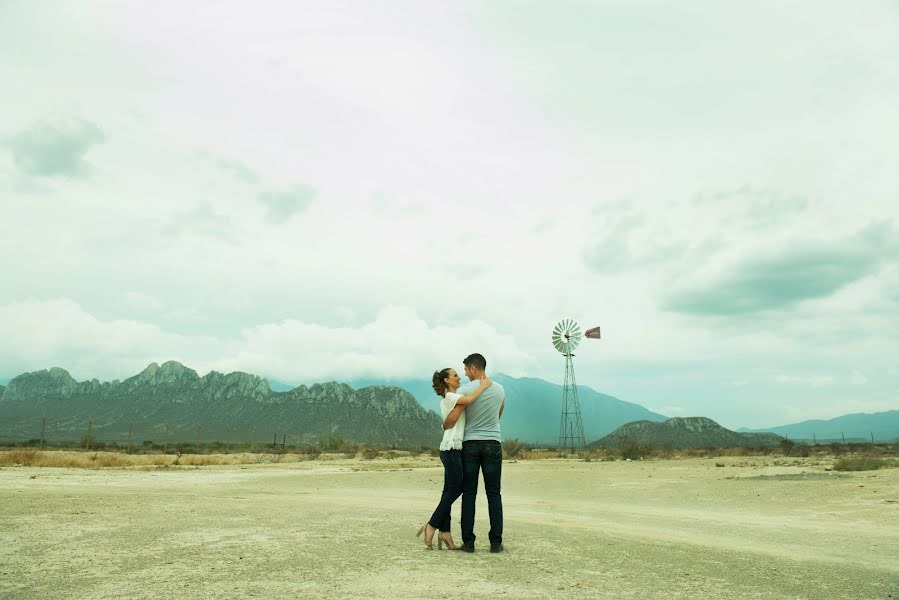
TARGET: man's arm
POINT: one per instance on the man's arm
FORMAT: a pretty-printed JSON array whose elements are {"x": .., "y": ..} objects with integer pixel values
[
  {"x": 451, "y": 418},
  {"x": 501, "y": 407}
]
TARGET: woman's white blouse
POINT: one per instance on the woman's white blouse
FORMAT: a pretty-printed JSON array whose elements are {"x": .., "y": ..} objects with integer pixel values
[{"x": 452, "y": 438}]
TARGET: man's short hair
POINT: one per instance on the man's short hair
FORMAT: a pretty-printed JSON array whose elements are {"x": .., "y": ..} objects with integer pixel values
[{"x": 475, "y": 360}]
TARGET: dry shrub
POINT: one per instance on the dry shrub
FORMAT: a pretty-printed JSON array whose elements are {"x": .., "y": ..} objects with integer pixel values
[
  {"x": 312, "y": 452},
  {"x": 25, "y": 457},
  {"x": 200, "y": 460},
  {"x": 860, "y": 463},
  {"x": 109, "y": 459},
  {"x": 513, "y": 447},
  {"x": 370, "y": 453}
]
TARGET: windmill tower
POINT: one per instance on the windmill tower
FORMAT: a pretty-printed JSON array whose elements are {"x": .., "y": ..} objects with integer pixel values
[{"x": 566, "y": 337}]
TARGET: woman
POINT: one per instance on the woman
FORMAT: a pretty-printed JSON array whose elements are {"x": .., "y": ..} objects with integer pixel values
[{"x": 445, "y": 383}]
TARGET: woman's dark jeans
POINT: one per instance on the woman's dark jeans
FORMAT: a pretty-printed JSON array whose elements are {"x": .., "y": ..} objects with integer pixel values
[
  {"x": 452, "y": 488},
  {"x": 482, "y": 456}
]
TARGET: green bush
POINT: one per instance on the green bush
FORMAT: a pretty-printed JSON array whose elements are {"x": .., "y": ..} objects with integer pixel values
[{"x": 633, "y": 451}]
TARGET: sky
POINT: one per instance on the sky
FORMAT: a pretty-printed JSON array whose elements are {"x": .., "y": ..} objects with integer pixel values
[{"x": 315, "y": 191}]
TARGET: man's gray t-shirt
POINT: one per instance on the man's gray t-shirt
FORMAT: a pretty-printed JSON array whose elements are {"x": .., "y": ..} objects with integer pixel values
[{"x": 482, "y": 415}]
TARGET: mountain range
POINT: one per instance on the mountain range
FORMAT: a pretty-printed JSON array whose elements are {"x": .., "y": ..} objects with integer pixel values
[
  {"x": 882, "y": 426},
  {"x": 534, "y": 406},
  {"x": 384, "y": 411},
  {"x": 171, "y": 402}
]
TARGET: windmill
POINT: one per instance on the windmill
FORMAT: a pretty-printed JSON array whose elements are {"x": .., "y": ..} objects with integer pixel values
[{"x": 566, "y": 337}]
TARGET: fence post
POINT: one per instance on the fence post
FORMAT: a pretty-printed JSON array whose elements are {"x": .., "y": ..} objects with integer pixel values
[
  {"x": 254, "y": 440},
  {"x": 43, "y": 429},
  {"x": 814, "y": 440},
  {"x": 90, "y": 428},
  {"x": 844, "y": 438},
  {"x": 198, "y": 439},
  {"x": 872, "y": 437},
  {"x": 165, "y": 447},
  {"x": 130, "y": 433}
]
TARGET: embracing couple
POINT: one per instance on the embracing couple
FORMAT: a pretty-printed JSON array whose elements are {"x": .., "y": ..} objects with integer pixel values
[{"x": 471, "y": 445}]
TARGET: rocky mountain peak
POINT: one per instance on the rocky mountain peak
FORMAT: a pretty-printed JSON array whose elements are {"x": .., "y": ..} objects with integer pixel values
[
  {"x": 149, "y": 371},
  {"x": 59, "y": 373},
  {"x": 169, "y": 372},
  {"x": 172, "y": 371}
]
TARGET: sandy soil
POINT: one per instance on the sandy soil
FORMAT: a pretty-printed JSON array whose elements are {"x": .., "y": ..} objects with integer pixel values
[{"x": 345, "y": 529}]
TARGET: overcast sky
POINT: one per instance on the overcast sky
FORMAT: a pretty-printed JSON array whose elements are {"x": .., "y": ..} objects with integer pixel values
[{"x": 330, "y": 190}]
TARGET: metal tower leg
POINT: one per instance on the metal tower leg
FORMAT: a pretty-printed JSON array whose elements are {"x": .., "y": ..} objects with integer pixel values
[{"x": 571, "y": 429}]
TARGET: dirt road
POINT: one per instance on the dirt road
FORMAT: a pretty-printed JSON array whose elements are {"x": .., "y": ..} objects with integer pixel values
[{"x": 345, "y": 529}]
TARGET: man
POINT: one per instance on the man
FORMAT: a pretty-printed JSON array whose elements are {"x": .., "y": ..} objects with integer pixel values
[{"x": 482, "y": 451}]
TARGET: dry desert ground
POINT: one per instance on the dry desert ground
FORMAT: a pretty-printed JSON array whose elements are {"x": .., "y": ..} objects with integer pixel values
[{"x": 756, "y": 527}]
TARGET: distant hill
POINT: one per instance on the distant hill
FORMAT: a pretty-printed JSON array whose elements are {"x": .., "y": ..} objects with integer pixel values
[
  {"x": 857, "y": 426},
  {"x": 683, "y": 432},
  {"x": 534, "y": 407},
  {"x": 225, "y": 407}
]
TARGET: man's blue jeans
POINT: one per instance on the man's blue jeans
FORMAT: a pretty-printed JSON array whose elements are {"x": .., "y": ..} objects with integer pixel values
[
  {"x": 452, "y": 488},
  {"x": 482, "y": 456}
]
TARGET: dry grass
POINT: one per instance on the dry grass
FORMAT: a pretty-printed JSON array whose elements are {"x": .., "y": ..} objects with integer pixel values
[
  {"x": 202, "y": 460},
  {"x": 30, "y": 457},
  {"x": 861, "y": 463},
  {"x": 77, "y": 459}
]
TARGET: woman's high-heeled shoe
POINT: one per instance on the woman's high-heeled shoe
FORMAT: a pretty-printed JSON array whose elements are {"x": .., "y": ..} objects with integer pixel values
[
  {"x": 421, "y": 530},
  {"x": 445, "y": 538}
]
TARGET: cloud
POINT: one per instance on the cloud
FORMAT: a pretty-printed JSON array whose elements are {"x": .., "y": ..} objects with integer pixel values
[
  {"x": 397, "y": 343},
  {"x": 858, "y": 378},
  {"x": 203, "y": 221},
  {"x": 625, "y": 240},
  {"x": 813, "y": 380},
  {"x": 788, "y": 275},
  {"x": 38, "y": 334},
  {"x": 283, "y": 204},
  {"x": 55, "y": 147},
  {"x": 237, "y": 170}
]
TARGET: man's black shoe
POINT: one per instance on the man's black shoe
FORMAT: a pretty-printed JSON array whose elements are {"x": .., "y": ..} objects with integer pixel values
[
  {"x": 496, "y": 548},
  {"x": 467, "y": 548}
]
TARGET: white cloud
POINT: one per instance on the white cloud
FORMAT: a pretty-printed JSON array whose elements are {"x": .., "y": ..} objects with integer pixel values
[
  {"x": 42, "y": 334},
  {"x": 858, "y": 378},
  {"x": 812, "y": 380},
  {"x": 396, "y": 344}
]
